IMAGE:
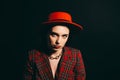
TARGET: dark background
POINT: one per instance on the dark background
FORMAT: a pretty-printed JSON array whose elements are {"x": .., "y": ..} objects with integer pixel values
[{"x": 98, "y": 42}]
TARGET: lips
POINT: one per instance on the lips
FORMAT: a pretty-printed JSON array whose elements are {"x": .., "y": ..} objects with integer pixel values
[{"x": 57, "y": 47}]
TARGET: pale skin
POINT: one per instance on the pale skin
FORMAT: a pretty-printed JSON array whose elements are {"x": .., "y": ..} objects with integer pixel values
[{"x": 57, "y": 39}]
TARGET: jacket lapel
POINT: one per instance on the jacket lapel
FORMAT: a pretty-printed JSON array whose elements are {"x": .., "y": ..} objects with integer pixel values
[
  {"x": 43, "y": 67},
  {"x": 66, "y": 64}
]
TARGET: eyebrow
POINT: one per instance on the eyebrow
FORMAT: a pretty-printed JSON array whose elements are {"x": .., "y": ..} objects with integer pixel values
[{"x": 57, "y": 33}]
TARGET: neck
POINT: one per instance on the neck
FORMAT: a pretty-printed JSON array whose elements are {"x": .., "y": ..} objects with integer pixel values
[
  {"x": 56, "y": 52},
  {"x": 56, "y": 55}
]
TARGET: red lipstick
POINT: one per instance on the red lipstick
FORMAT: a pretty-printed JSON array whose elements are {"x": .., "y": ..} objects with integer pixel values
[{"x": 57, "y": 47}]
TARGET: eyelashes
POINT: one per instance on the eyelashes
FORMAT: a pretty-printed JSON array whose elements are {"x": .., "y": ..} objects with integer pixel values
[{"x": 64, "y": 36}]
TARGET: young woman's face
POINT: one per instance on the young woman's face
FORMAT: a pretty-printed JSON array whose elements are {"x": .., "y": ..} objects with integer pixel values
[{"x": 58, "y": 37}]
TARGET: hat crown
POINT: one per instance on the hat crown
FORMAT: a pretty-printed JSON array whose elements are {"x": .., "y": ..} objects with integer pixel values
[{"x": 60, "y": 16}]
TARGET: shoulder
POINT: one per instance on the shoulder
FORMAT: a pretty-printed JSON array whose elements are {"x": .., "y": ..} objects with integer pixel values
[
  {"x": 71, "y": 49},
  {"x": 73, "y": 52},
  {"x": 33, "y": 53}
]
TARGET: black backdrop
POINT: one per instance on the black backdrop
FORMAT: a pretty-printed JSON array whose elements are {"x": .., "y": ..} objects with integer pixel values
[{"x": 98, "y": 42}]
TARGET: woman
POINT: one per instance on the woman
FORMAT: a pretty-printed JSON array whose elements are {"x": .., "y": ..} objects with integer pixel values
[{"x": 56, "y": 61}]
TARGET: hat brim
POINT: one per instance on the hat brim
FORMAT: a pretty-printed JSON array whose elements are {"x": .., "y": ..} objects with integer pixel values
[{"x": 71, "y": 25}]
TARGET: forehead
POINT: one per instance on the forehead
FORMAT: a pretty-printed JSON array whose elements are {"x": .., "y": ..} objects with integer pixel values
[{"x": 60, "y": 28}]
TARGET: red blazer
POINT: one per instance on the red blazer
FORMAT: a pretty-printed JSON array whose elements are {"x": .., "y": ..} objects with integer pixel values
[{"x": 71, "y": 66}]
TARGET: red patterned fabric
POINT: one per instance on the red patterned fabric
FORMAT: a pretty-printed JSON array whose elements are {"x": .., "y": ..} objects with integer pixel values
[{"x": 71, "y": 66}]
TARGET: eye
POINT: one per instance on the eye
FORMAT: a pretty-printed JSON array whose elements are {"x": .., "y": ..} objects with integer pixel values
[
  {"x": 65, "y": 36},
  {"x": 53, "y": 35}
]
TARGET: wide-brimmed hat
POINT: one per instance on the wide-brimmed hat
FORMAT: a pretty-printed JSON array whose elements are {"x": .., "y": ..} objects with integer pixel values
[{"x": 60, "y": 18}]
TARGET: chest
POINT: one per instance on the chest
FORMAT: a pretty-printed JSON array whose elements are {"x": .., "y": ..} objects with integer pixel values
[{"x": 54, "y": 65}]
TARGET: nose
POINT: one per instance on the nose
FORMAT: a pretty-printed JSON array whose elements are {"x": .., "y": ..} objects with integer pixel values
[{"x": 58, "y": 40}]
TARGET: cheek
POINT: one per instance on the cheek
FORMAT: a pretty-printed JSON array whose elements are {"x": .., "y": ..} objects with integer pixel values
[
  {"x": 65, "y": 41},
  {"x": 51, "y": 39}
]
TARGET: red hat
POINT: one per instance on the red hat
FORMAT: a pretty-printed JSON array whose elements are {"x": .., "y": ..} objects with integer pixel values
[{"x": 62, "y": 18}]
